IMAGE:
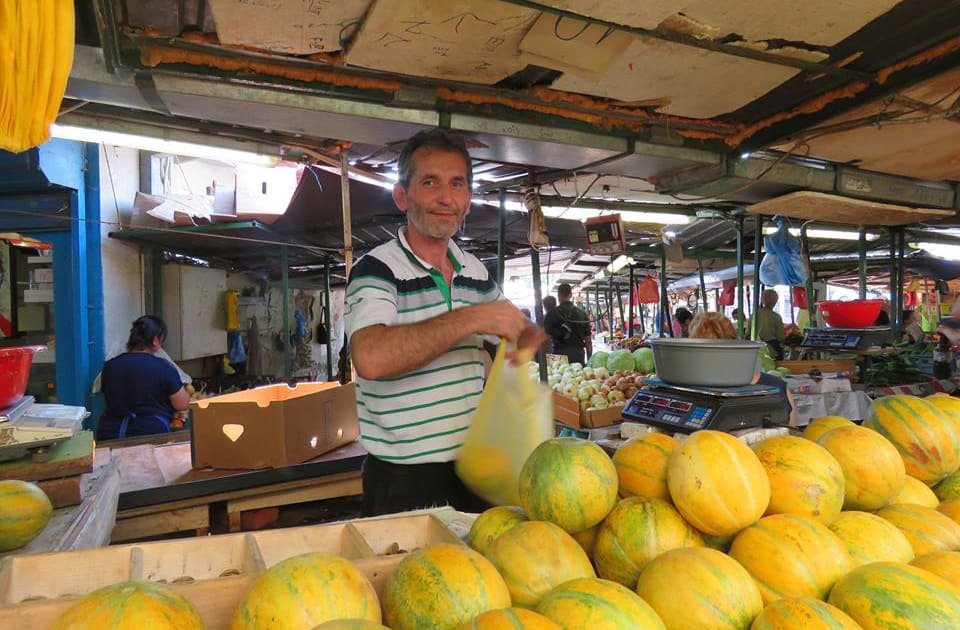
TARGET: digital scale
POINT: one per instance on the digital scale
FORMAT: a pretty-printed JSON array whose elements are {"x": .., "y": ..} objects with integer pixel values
[
  {"x": 27, "y": 428},
  {"x": 847, "y": 339},
  {"x": 689, "y": 408}
]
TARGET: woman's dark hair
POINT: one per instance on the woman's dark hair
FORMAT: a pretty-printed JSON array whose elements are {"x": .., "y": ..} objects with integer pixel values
[
  {"x": 683, "y": 315},
  {"x": 142, "y": 332}
]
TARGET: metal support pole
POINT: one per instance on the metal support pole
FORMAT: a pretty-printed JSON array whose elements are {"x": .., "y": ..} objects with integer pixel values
[
  {"x": 501, "y": 237},
  {"x": 620, "y": 305},
  {"x": 285, "y": 327},
  {"x": 805, "y": 252},
  {"x": 740, "y": 305},
  {"x": 538, "y": 309},
  {"x": 863, "y": 263},
  {"x": 757, "y": 255},
  {"x": 596, "y": 299},
  {"x": 703, "y": 284},
  {"x": 630, "y": 303},
  {"x": 610, "y": 305},
  {"x": 345, "y": 201},
  {"x": 326, "y": 319},
  {"x": 901, "y": 276},
  {"x": 664, "y": 300},
  {"x": 894, "y": 311}
]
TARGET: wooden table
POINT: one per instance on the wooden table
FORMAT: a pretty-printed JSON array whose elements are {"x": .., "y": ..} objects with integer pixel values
[{"x": 160, "y": 492}]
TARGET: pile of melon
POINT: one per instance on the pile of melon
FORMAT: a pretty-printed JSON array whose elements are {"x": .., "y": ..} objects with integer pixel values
[{"x": 846, "y": 527}]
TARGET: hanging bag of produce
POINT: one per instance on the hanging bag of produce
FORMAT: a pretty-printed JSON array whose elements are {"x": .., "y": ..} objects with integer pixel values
[
  {"x": 782, "y": 263},
  {"x": 514, "y": 415}
]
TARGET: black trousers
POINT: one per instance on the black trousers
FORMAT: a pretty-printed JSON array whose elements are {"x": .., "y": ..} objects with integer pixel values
[{"x": 389, "y": 488}]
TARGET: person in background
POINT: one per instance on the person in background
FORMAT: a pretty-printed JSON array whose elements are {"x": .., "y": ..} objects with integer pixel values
[
  {"x": 912, "y": 330},
  {"x": 526, "y": 313},
  {"x": 569, "y": 327},
  {"x": 681, "y": 322},
  {"x": 549, "y": 304},
  {"x": 883, "y": 319},
  {"x": 769, "y": 323},
  {"x": 716, "y": 326},
  {"x": 143, "y": 392},
  {"x": 950, "y": 327}
]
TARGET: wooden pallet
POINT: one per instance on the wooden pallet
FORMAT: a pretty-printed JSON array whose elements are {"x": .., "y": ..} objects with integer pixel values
[{"x": 213, "y": 572}]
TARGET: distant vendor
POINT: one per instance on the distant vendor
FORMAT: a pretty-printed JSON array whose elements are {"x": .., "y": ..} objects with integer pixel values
[
  {"x": 769, "y": 323},
  {"x": 143, "y": 392}
]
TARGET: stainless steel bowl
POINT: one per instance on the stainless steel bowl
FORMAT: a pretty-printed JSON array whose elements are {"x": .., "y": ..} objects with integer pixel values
[{"x": 710, "y": 362}]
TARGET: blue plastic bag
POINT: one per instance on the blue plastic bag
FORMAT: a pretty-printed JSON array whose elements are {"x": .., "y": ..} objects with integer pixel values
[{"x": 782, "y": 263}]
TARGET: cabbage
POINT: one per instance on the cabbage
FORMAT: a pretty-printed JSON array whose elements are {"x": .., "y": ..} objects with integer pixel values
[
  {"x": 598, "y": 359},
  {"x": 644, "y": 360},
  {"x": 767, "y": 362},
  {"x": 620, "y": 361}
]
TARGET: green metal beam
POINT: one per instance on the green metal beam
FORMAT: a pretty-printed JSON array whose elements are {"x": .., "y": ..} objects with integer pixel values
[{"x": 285, "y": 326}]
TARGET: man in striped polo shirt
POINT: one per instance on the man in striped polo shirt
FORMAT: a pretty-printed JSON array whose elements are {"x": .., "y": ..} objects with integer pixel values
[{"x": 416, "y": 312}]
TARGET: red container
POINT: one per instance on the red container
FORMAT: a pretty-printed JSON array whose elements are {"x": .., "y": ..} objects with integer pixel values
[
  {"x": 14, "y": 371},
  {"x": 850, "y": 314}
]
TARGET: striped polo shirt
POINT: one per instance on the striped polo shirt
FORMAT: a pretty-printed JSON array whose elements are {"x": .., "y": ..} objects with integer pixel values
[{"x": 421, "y": 416}]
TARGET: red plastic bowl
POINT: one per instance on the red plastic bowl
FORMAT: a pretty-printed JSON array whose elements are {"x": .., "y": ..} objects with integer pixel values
[
  {"x": 850, "y": 314},
  {"x": 14, "y": 371}
]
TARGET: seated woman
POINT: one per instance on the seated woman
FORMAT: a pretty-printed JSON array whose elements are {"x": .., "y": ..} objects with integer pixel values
[
  {"x": 142, "y": 391},
  {"x": 716, "y": 326}
]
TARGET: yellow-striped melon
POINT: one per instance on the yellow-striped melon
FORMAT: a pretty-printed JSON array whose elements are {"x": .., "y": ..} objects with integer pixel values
[
  {"x": 805, "y": 479},
  {"x": 720, "y": 543},
  {"x": 791, "y": 556},
  {"x": 916, "y": 492},
  {"x": 320, "y": 586},
  {"x": 24, "y": 512},
  {"x": 873, "y": 470},
  {"x": 717, "y": 483},
  {"x": 569, "y": 482},
  {"x": 950, "y": 508},
  {"x": 642, "y": 465},
  {"x": 491, "y": 523},
  {"x": 131, "y": 605},
  {"x": 949, "y": 488},
  {"x": 803, "y": 613},
  {"x": 870, "y": 538},
  {"x": 635, "y": 532},
  {"x": 927, "y": 530},
  {"x": 535, "y": 557},
  {"x": 510, "y": 619},
  {"x": 819, "y": 426},
  {"x": 442, "y": 586},
  {"x": 946, "y": 564},
  {"x": 949, "y": 406},
  {"x": 596, "y": 604},
  {"x": 894, "y": 596},
  {"x": 587, "y": 539},
  {"x": 927, "y": 441},
  {"x": 351, "y": 624},
  {"x": 698, "y": 587}
]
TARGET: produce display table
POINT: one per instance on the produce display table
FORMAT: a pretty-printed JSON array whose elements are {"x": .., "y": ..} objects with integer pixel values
[
  {"x": 161, "y": 493},
  {"x": 853, "y": 405}
]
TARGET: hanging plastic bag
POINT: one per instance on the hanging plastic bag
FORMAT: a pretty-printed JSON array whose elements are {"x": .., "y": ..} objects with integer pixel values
[
  {"x": 514, "y": 415},
  {"x": 782, "y": 263},
  {"x": 798, "y": 297},
  {"x": 648, "y": 291}
]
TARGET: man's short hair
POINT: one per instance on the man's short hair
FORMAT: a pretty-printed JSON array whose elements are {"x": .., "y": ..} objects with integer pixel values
[
  {"x": 564, "y": 290},
  {"x": 438, "y": 139},
  {"x": 549, "y": 303}
]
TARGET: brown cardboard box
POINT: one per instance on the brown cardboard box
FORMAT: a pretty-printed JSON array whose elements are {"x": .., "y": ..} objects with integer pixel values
[
  {"x": 567, "y": 411},
  {"x": 273, "y": 426}
]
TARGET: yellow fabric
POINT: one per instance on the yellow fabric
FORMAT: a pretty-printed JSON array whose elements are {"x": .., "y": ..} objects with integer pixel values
[{"x": 36, "y": 53}]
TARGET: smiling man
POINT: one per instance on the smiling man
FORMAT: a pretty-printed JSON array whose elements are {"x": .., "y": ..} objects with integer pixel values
[{"x": 417, "y": 309}]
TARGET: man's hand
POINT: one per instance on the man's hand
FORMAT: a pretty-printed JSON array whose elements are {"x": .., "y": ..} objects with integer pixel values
[{"x": 500, "y": 318}]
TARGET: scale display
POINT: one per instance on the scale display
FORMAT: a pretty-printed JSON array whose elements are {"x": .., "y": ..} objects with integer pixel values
[
  {"x": 685, "y": 410},
  {"x": 846, "y": 339},
  {"x": 605, "y": 234}
]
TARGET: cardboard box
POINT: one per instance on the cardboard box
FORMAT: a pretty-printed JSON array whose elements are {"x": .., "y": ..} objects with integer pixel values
[
  {"x": 273, "y": 426},
  {"x": 567, "y": 411}
]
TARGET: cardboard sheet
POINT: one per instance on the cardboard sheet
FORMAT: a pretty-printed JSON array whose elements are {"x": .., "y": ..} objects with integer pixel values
[
  {"x": 644, "y": 14},
  {"x": 589, "y": 48},
  {"x": 696, "y": 83},
  {"x": 844, "y": 210},
  {"x": 455, "y": 39},
  {"x": 296, "y": 27}
]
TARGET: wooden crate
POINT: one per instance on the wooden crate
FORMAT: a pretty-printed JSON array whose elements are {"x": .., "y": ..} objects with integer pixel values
[{"x": 213, "y": 572}]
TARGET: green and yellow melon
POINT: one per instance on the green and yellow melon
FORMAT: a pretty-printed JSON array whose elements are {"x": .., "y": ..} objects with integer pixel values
[
  {"x": 569, "y": 482},
  {"x": 927, "y": 530},
  {"x": 24, "y": 513},
  {"x": 535, "y": 557},
  {"x": 805, "y": 479},
  {"x": 895, "y": 596},
  {"x": 491, "y": 524},
  {"x": 510, "y": 619},
  {"x": 720, "y": 543},
  {"x": 717, "y": 483},
  {"x": 791, "y": 556},
  {"x": 698, "y": 587},
  {"x": 819, "y": 426},
  {"x": 951, "y": 509},
  {"x": 949, "y": 488},
  {"x": 321, "y": 586},
  {"x": 926, "y": 439},
  {"x": 635, "y": 532},
  {"x": 870, "y": 538},
  {"x": 873, "y": 470},
  {"x": 948, "y": 405},
  {"x": 587, "y": 539},
  {"x": 916, "y": 492},
  {"x": 131, "y": 605},
  {"x": 946, "y": 564},
  {"x": 597, "y": 604},
  {"x": 803, "y": 613},
  {"x": 351, "y": 624},
  {"x": 442, "y": 586},
  {"x": 642, "y": 465}
]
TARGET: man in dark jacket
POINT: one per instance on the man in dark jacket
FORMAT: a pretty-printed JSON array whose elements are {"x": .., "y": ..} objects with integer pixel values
[{"x": 569, "y": 327}]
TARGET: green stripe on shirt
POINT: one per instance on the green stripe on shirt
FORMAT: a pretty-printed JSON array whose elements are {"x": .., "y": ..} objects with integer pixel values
[
  {"x": 419, "y": 422},
  {"x": 423, "y": 389},
  {"x": 386, "y": 412},
  {"x": 419, "y": 439},
  {"x": 430, "y": 371},
  {"x": 421, "y": 454}
]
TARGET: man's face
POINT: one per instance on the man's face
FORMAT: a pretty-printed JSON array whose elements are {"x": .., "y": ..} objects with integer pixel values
[{"x": 438, "y": 197}]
